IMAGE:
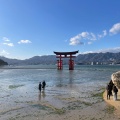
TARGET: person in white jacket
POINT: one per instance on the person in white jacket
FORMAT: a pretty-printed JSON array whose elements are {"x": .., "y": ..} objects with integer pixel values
[{"x": 115, "y": 90}]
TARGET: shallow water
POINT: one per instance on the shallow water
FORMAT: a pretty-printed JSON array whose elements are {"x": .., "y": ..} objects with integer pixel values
[{"x": 19, "y": 85}]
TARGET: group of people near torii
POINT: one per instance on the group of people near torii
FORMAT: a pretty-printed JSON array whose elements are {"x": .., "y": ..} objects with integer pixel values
[
  {"x": 42, "y": 85},
  {"x": 111, "y": 90}
]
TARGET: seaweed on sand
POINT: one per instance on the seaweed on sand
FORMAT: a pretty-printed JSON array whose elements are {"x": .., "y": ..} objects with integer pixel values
[
  {"x": 99, "y": 94},
  {"x": 59, "y": 111},
  {"x": 14, "y": 86},
  {"x": 110, "y": 109},
  {"x": 78, "y": 105},
  {"x": 39, "y": 106},
  {"x": 50, "y": 108}
]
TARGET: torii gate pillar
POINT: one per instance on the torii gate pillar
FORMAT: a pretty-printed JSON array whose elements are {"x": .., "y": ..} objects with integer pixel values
[
  {"x": 71, "y": 63},
  {"x": 61, "y": 55}
]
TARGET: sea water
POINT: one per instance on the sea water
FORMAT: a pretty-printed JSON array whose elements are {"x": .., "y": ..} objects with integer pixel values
[{"x": 19, "y": 84}]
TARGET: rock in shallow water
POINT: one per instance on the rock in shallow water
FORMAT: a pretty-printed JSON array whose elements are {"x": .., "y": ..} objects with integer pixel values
[{"x": 116, "y": 79}]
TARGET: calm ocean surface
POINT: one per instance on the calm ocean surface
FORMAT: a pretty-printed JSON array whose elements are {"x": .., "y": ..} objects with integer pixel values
[
  {"x": 32, "y": 75},
  {"x": 27, "y": 76},
  {"x": 16, "y": 81}
]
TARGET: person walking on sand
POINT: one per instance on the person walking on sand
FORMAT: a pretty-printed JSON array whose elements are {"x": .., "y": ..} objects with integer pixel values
[
  {"x": 40, "y": 86},
  {"x": 108, "y": 91},
  {"x": 115, "y": 90},
  {"x": 43, "y": 85}
]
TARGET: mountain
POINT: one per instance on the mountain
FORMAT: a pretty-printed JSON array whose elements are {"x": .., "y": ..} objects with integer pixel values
[
  {"x": 99, "y": 57},
  {"x": 102, "y": 58},
  {"x": 47, "y": 59},
  {"x": 3, "y": 62},
  {"x": 50, "y": 59},
  {"x": 10, "y": 61}
]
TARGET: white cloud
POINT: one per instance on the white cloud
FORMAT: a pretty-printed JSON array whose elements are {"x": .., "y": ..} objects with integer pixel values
[
  {"x": 9, "y": 44},
  {"x": 4, "y": 53},
  {"x": 113, "y": 50},
  {"x": 104, "y": 32},
  {"x": 6, "y": 39},
  {"x": 86, "y": 52},
  {"x": 24, "y": 41},
  {"x": 84, "y": 34},
  {"x": 102, "y": 35},
  {"x": 76, "y": 40},
  {"x": 92, "y": 36},
  {"x": 115, "y": 29}
]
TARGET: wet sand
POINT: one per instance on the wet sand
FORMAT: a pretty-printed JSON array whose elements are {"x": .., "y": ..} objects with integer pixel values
[
  {"x": 54, "y": 104},
  {"x": 112, "y": 102}
]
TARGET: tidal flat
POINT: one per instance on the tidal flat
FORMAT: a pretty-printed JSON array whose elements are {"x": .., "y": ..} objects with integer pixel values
[
  {"x": 69, "y": 95},
  {"x": 57, "y": 104}
]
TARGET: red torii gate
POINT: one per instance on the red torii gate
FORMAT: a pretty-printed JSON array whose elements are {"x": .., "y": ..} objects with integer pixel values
[{"x": 61, "y": 55}]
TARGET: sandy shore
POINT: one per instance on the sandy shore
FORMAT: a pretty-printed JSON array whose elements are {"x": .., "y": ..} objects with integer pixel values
[
  {"x": 116, "y": 103},
  {"x": 60, "y": 106}
]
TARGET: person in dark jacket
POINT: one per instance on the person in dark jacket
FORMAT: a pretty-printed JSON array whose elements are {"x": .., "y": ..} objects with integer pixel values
[
  {"x": 111, "y": 86},
  {"x": 108, "y": 88},
  {"x": 111, "y": 83},
  {"x": 40, "y": 86},
  {"x": 43, "y": 85}
]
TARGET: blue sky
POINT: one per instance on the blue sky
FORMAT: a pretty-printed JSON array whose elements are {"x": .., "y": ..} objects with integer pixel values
[{"x": 39, "y": 27}]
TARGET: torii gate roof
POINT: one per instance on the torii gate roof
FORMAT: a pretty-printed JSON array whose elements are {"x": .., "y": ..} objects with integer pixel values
[{"x": 66, "y": 53}]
